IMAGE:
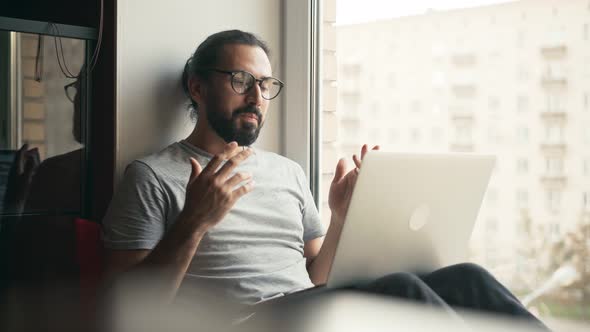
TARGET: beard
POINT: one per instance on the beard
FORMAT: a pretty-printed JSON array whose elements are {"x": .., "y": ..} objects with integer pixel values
[{"x": 245, "y": 135}]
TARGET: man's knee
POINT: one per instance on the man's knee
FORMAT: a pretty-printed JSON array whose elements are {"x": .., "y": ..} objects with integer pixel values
[
  {"x": 472, "y": 271},
  {"x": 400, "y": 280}
]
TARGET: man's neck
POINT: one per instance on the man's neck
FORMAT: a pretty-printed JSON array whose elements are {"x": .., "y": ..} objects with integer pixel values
[{"x": 206, "y": 139}]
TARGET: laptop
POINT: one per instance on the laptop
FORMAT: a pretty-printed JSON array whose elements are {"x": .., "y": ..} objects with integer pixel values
[{"x": 409, "y": 213}]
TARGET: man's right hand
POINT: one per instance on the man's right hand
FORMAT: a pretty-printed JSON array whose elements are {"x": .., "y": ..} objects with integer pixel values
[{"x": 211, "y": 193}]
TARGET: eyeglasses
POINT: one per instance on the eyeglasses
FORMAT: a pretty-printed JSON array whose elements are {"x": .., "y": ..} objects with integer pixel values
[
  {"x": 243, "y": 81},
  {"x": 71, "y": 90}
]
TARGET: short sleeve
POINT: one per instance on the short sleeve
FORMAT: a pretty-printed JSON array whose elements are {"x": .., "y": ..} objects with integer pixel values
[
  {"x": 136, "y": 217},
  {"x": 312, "y": 225}
]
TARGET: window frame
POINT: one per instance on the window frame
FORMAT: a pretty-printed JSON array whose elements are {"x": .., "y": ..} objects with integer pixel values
[
  {"x": 90, "y": 36},
  {"x": 301, "y": 99}
]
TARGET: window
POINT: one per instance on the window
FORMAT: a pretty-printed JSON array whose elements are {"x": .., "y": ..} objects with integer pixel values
[
  {"x": 463, "y": 134},
  {"x": 522, "y": 166},
  {"x": 522, "y": 135},
  {"x": 493, "y": 103},
  {"x": 585, "y": 33},
  {"x": 522, "y": 103},
  {"x": 42, "y": 106},
  {"x": 416, "y": 107},
  {"x": 490, "y": 104},
  {"x": 586, "y": 201},
  {"x": 436, "y": 135},
  {"x": 554, "y": 102},
  {"x": 554, "y": 166},
  {"x": 491, "y": 196},
  {"x": 415, "y": 135},
  {"x": 393, "y": 136},
  {"x": 520, "y": 39},
  {"x": 554, "y": 134},
  {"x": 491, "y": 226},
  {"x": 522, "y": 198},
  {"x": 553, "y": 201}
]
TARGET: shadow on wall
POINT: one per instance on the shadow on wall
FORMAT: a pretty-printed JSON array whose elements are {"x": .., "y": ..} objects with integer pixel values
[{"x": 173, "y": 115}]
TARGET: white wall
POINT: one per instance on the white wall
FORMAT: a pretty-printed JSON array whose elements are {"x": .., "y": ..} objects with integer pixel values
[{"x": 154, "y": 39}]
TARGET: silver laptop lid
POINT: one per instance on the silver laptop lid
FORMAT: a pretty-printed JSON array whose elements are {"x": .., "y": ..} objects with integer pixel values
[{"x": 409, "y": 213}]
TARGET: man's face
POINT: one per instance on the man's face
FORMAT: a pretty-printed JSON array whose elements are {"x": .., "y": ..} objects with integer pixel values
[{"x": 232, "y": 116}]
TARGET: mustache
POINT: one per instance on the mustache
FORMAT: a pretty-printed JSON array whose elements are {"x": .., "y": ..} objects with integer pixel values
[{"x": 248, "y": 109}]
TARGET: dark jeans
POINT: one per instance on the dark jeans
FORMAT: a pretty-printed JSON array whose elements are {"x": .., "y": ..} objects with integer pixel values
[{"x": 460, "y": 286}]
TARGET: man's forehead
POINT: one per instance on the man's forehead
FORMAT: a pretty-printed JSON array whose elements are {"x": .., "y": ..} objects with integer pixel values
[{"x": 246, "y": 57}]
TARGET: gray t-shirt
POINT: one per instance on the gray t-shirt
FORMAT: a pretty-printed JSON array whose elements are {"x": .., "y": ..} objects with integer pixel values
[{"x": 254, "y": 253}]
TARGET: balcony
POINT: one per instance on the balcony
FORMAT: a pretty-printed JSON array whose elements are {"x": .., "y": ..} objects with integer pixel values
[
  {"x": 465, "y": 89},
  {"x": 554, "y": 115},
  {"x": 461, "y": 114},
  {"x": 464, "y": 58},
  {"x": 553, "y": 81},
  {"x": 462, "y": 147},
  {"x": 554, "y": 50},
  {"x": 554, "y": 180},
  {"x": 554, "y": 148}
]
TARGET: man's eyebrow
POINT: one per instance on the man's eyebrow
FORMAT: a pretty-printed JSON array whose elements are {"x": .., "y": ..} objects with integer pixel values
[{"x": 261, "y": 77}]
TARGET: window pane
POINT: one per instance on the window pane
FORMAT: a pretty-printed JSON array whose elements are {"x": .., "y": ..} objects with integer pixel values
[
  {"x": 500, "y": 79},
  {"x": 41, "y": 124}
]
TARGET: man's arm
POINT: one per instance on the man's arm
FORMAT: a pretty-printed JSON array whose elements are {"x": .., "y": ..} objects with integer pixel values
[
  {"x": 320, "y": 253},
  {"x": 170, "y": 258},
  {"x": 210, "y": 195}
]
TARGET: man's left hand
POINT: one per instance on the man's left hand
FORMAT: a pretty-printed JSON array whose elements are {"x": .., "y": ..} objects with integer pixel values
[{"x": 343, "y": 185}]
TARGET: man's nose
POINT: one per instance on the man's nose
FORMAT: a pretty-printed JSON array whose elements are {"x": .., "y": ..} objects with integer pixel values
[{"x": 254, "y": 96}]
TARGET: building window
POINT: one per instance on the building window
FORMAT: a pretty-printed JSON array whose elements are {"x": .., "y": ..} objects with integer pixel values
[
  {"x": 520, "y": 39},
  {"x": 522, "y": 166},
  {"x": 554, "y": 134},
  {"x": 463, "y": 135},
  {"x": 436, "y": 134},
  {"x": 491, "y": 196},
  {"x": 586, "y": 201},
  {"x": 522, "y": 135},
  {"x": 553, "y": 201},
  {"x": 522, "y": 198},
  {"x": 586, "y": 101},
  {"x": 493, "y": 103},
  {"x": 415, "y": 135},
  {"x": 491, "y": 225},
  {"x": 522, "y": 103},
  {"x": 393, "y": 136},
  {"x": 416, "y": 107},
  {"x": 586, "y": 32},
  {"x": 554, "y": 166},
  {"x": 554, "y": 230},
  {"x": 586, "y": 167},
  {"x": 553, "y": 102},
  {"x": 391, "y": 80}
]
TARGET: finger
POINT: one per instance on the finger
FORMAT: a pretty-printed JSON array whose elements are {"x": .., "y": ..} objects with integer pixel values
[
  {"x": 243, "y": 190},
  {"x": 229, "y": 150},
  {"x": 376, "y": 148},
  {"x": 237, "y": 179},
  {"x": 340, "y": 170},
  {"x": 231, "y": 164},
  {"x": 357, "y": 161},
  {"x": 196, "y": 169},
  {"x": 364, "y": 150}
]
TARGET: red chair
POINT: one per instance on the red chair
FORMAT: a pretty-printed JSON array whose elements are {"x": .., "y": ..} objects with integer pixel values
[{"x": 89, "y": 259}]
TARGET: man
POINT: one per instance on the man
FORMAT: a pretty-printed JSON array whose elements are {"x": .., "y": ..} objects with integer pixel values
[{"x": 210, "y": 210}]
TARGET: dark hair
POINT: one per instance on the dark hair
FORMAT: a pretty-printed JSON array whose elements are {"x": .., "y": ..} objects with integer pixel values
[{"x": 208, "y": 53}]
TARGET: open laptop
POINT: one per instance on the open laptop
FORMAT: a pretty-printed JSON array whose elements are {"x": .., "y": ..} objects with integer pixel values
[{"x": 409, "y": 213}]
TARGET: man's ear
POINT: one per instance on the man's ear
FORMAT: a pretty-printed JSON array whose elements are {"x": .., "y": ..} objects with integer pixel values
[{"x": 197, "y": 89}]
